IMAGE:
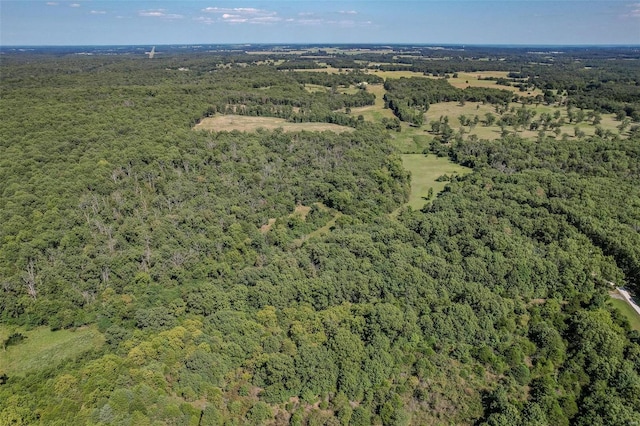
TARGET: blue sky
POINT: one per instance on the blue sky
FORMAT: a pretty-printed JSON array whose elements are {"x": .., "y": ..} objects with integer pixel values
[{"x": 108, "y": 22}]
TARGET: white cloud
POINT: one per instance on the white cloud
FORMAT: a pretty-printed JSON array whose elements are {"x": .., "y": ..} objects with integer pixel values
[
  {"x": 251, "y": 15},
  {"x": 205, "y": 20},
  {"x": 314, "y": 19},
  {"x": 633, "y": 12},
  {"x": 265, "y": 20},
  {"x": 243, "y": 10},
  {"x": 159, "y": 13},
  {"x": 98, "y": 12},
  {"x": 75, "y": 5},
  {"x": 345, "y": 23},
  {"x": 233, "y": 18},
  {"x": 249, "y": 10},
  {"x": 154, "y": 13},
  {"x": 342, "y": 23},
  {"x": 310, "y": 21},
  {"x": 239, "y": 15},
  {"x": 52, "y": 3}
]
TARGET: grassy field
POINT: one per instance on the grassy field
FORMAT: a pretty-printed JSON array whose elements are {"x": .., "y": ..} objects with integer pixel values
[
  {"x": 328, "y": 70},
  {"x": 245, "y": 123},
  {"x": 414, "y": 140},
  {"x": 424, "y": 172},
  {"x": 474, "y": 79},
  {"x": 396, "y": 74},
  {"x": 313, "y": 88},
  {"x": 453, "y": 110},
  {"x": 411, "y": 140},
  {"x": 45, "y": 348},
  {"x": 377, "y": 111},
  {"x": 627, "y": 311}
]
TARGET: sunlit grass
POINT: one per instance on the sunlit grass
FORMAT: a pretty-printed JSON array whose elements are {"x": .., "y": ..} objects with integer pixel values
[
  {"x": 631, "y": 315},
  {"x": 425, "y": 169},
  {"x": 44, "y": 348},
  {"x": 247, "y": 123}
]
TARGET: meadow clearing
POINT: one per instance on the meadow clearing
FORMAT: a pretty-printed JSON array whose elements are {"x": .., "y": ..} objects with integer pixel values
[
  {"x": 43, "y": 348},
  {"x": 245, "y": 123},
  {"x": 462, "y": 80},
  {"x": 627, "y": 311},
  {"x": 425, "y": 171},
  {"x": 453, "y": 110}
]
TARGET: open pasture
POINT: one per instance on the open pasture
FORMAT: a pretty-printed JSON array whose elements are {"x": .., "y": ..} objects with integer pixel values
[
  {"x": 453, "y": 110},
  {"x": 396, "y": 74},
  {"x": 477, "y": 79},
  {"x": 425, "y": 169},
  {"x": 414, "y": 140},
  {"x": 377, "y": 111},
  {"x": 328, "y": 70},
  {"x": 411, "y": 140},
  {"x": 315, "y": 88},
  {"x": 44, "y": 348},
  {"x": 243, "y": 123}
]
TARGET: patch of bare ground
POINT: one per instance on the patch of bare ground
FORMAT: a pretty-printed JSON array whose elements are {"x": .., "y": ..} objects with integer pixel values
[
  {"x": 267, "y": 226},
  {"x": 616, "y": 295},
  {"x": 302, "y": 211}
]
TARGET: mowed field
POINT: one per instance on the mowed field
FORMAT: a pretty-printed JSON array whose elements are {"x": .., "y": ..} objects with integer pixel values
[
  {"x": 631, "y": 315},
  {"x": 244, "y": 123},
  {"x": 396, "y": 74},
  {"x": 425, "y": 169},
  {"x": 44, "y": 348}
]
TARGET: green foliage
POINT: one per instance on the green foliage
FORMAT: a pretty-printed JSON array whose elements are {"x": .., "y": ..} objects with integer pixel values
[{"x": 246, "y": 277}]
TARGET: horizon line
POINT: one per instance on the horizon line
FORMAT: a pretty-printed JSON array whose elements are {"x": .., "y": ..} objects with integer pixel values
[{"x": 379, "y": 44}]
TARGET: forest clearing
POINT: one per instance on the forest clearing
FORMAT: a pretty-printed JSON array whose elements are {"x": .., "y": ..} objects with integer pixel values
[{"x": 243, "y": 123}]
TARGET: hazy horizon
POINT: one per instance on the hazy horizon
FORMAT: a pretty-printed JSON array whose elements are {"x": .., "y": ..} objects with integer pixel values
[
  {"x": 320, "y": 45},
  {"x": 494, "y": 23}
]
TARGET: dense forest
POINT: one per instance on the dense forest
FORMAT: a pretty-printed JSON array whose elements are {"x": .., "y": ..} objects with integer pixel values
[{"x": 275, "y": 277}]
